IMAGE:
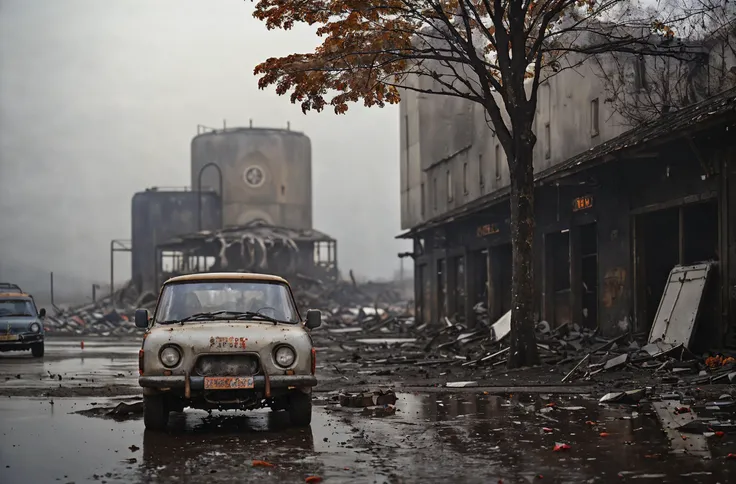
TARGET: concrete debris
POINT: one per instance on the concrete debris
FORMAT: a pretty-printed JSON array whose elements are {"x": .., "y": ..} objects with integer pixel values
[
  {"x": 461, "y": 384},
  {"x": 367, "y": 399},
  {"x": 109, "y": 316},
  {"x": 631, "y": 397}
]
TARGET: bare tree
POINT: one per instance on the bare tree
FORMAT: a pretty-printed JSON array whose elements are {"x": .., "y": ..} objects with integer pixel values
[
  {"x": 642, "y": 88},
  {"x": 491, "y": 52}
]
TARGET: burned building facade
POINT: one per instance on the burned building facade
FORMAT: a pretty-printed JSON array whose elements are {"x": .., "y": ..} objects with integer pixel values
[{"x": 616, "y": 208}]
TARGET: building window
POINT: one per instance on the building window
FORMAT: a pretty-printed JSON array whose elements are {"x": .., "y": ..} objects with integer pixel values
[
  {"x": 434, "y": 193},
  {"x": 497, "y": 161},
  {"x": 406, "y": 141},
  {"x": 421, "y": 209},
  {"x": 481, "y": 175},
  {"x": 640, "y": 73},
  {"x": 450, "y": 191},
  {"x": 547, "y": 142},
  {"x": 594, "y": 118},
  {"x": 465, "y": 178}
]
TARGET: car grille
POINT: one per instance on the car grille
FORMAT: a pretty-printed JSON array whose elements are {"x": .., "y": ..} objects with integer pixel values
[{"x": 227, "y": 365}]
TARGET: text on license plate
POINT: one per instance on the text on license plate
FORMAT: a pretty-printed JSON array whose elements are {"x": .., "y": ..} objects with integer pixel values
[
  {"x": 228, "y": 382},
  {"x": 8, "y": 337}
]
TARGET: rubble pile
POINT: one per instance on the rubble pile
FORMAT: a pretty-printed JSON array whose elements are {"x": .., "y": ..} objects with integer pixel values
[
  {"x": 109, "y": 316},
  {"x": 345, "y": 303}
]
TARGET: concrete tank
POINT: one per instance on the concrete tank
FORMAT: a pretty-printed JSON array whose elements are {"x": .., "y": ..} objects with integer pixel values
[
  {"x": 159, "y": 215},
  {"x": 266, "y": 174}
]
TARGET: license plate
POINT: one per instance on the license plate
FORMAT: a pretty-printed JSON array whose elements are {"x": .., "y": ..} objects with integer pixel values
[
  {"x": 8, "y": 337},
  {"x": 228, "y": 382}
]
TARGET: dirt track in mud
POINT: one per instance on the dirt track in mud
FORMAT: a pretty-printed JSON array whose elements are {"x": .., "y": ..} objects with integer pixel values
[{"x": 59, "y": 430}]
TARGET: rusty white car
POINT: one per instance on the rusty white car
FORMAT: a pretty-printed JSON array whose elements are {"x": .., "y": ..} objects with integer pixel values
[{"x": 226, "y": 341}]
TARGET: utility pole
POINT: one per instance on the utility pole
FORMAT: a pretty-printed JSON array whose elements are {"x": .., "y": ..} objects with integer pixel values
[{"x": 52, "y": 290}]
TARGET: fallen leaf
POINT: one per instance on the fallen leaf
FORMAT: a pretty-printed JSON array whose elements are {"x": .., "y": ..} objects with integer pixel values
[
  {"x": 314, "y": 479},
  {"x": 547, "y": 429},
  {"x": 551, "y": 404},
  {"x": 731, "y": 456},
  {"x": 560, "y": 447},
  {"x": 262, "y": 463},
  {"x": 590, "y": 422},
  {"x": 718, "y": 433},
  {"x": 605, "y": 434}
]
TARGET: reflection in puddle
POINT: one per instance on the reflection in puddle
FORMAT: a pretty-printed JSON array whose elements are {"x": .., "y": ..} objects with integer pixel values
[{"x": 430, "y": 438}]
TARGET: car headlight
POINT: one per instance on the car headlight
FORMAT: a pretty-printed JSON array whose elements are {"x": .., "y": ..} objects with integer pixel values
[
  {"x": 35, "y": 328},
  {"x": 284, "y": 356},
  {"x": 170, "y": 356}
]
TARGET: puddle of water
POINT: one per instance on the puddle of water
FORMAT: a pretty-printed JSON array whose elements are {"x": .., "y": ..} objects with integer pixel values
[{"x": 431, "y": 438}]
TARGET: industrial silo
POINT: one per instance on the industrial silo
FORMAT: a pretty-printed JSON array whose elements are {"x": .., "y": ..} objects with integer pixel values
[{"x": 266, "y": 174}]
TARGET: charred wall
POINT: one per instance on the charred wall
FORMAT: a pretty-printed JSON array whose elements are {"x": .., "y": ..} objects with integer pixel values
[{"x": 605, "y": 237}]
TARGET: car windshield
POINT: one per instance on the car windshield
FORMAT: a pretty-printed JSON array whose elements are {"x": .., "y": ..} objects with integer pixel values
[
  {"x": 16, "y": 307},
  {"x": 205, "y": 301}
]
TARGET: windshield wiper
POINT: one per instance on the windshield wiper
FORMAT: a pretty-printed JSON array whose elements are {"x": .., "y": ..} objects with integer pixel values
[
  {"x": 16, "y": 315},
  {"x": 236, "y": 315},
  {"x": 256, "y": 315},
  {"x": 193, "y": 317}
]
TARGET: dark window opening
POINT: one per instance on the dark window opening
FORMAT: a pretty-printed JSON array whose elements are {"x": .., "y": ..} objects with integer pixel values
[
  {"x": 465, "y": 178},
  {"x": 458, "y": 281},
  {"x": 500, "y": 268},
  {"x": 700, "y": 232},
  {"x": 450, "y": 191},
  {"x": 497, "y": 162},
  {"x": 676, "y": 236},
  {"x": 660, "y": 233},
  {"x": 594, "y": 118},
  {"x": 422, "y": 200},
  {"x": 442, "y": 288},
  {"x": 479, "y": 260},
  {"x": 589, "y": 275},
  {"x": 557, "y": 248},
  {"x": 481, "y": 174}
]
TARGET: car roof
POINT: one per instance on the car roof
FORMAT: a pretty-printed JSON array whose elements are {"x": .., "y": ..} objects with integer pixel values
[
  {"x": 8, "y": 295},
  {"x": 227, "y": 276}
]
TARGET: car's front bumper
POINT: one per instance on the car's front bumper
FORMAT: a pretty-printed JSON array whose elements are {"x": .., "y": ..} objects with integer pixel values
[
  {"x": 23, "y": 342},
  {"x": 196, "y": 383}
]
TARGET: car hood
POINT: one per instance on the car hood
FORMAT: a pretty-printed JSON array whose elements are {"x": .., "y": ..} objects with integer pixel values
[{"x": 256, "y": 332}]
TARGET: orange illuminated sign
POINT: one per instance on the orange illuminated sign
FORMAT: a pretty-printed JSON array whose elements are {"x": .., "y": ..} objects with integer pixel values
[
  {"x": 487, "y": 229},
  {"x": 582, "y": 203}
]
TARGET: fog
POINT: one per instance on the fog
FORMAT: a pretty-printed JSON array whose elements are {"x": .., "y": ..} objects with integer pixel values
[{"x": 100, "y": 99}]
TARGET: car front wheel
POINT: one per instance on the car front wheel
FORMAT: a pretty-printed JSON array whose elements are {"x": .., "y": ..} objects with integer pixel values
[
  {"x": 37, "y": 350},
  {"x": 300, "y": 409},
  {"x": 155, "y": 412}
]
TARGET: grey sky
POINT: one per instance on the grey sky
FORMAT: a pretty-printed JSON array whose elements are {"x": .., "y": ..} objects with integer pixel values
[{"x": 100, "y": 99}]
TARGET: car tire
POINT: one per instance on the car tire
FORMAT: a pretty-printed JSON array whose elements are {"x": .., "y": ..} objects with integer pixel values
[
  {"x": 37, "y": 350},
  {"x": 300, "y": 409},
  {"x": 155, "y": 412}
]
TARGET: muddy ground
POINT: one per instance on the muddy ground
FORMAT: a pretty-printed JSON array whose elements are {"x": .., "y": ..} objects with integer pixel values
[{"x": 56, "y": 426}]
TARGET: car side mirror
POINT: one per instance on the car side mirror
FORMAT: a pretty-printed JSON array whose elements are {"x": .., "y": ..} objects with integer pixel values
[
  {"x": 314, "y": 319},
  {"x": 42, "y": 313},
  {"x": 141, "y": 318}
]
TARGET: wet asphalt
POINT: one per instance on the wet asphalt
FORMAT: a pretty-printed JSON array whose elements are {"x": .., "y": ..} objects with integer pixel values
[{"x": 51, "y": 433}]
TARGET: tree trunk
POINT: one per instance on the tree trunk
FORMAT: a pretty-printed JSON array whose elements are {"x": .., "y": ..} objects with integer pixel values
[{"x": 523, "y": 351}]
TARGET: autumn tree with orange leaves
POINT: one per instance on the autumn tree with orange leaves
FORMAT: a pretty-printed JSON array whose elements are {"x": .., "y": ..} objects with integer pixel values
[{"x": 492, "y": 52}]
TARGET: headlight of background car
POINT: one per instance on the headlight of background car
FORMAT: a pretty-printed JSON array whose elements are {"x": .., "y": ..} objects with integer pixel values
[
  {"x": 284, "y": 356},
  {"x": 170, "y": 356},
  {"x": 35, "y": 328}
]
